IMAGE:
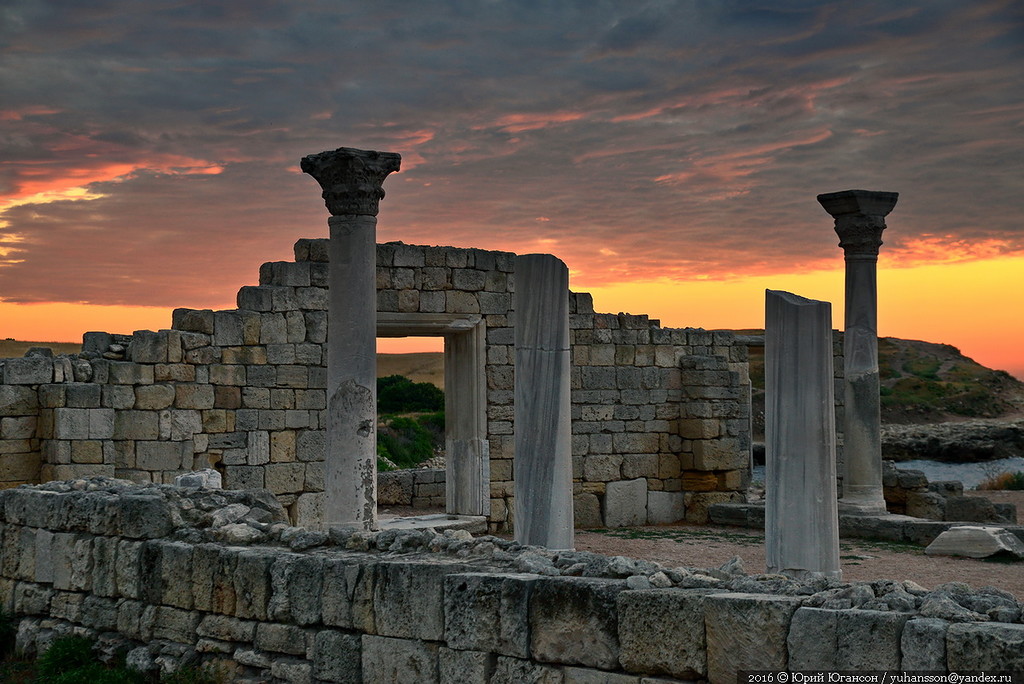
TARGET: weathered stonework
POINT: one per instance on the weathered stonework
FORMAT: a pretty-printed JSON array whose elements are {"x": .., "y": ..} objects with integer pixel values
[
  {"x": 167, "y": 576},
  {"x": 244, "y": 391}
]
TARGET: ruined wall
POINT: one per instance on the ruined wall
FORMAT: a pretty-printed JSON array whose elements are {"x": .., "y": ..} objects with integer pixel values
[
  {"x": 660, "y": 416},
  {"x": 172, "y": 576}
]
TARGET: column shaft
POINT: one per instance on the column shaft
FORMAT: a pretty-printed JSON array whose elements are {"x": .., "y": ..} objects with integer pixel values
[
  {"x": 801, "y": 517},
  {"x": 351, "y": 468},
  {"x": 543, "y": 404}
]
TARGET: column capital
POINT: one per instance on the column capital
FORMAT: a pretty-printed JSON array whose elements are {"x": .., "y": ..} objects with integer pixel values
[
  {"x": 351, "y": 179},
  {"x": 860, "y": 218}
]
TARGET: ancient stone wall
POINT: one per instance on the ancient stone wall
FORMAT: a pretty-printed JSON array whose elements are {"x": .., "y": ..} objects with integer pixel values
[
  {"x": 173, "y": 576},
  {"x": 660, "y": 416}
]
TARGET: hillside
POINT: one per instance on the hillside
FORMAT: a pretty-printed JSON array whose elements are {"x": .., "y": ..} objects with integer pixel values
[{"x": 922, "y": 382}]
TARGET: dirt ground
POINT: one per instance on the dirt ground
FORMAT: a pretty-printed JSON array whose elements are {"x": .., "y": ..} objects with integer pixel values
[
  {"x": 703, "y": 546},
  {"x": 711, "y": 546}
]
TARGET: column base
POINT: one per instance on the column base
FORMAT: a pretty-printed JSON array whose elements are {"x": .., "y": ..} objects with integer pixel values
[{"x": 869, "y": 501}]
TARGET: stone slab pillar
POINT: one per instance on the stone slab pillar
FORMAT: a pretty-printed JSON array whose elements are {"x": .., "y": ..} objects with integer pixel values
[
  {"x": 543, "y": 431},
  {"x": 859, "y": 222},
  {"x": 351, "y": 180},
  {"x": 801, "y": 516}
]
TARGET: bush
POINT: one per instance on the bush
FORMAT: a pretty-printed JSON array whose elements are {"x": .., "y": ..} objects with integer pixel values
[
  {"x": 1013, "y": 481},
  {"x": 398, "y": 394},
  {"x": 64, "y": 656},
  {"x": 405, "y": 442}
]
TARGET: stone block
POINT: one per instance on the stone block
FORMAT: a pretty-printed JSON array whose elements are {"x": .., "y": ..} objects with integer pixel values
[
  {"x": 193, "y": 320},
  {"x": 989, "y": 646},
  {"x": 408, "y": 598},
  {"x": 296, "y": 585},
  {"x": 586, "y": 511},
  {"x": 665, "y": 507},
  {"x": 158, "y": 456},
  {"x": 136, "y": 425},
  {"x": 144, "y": 517},
  {"x": 868, "y": 639},
  {"x": 719, "y": 454},
  {"x": 574, "y": 621},
  {"x": 252, "y": 583},
  {"x": 337, "y": 656},
  {"x": 746, "y": 632},
  {"x": 625, "y": 503},
  {"x": 661, "y": 631},
  {"x": 70, "y": 423},
  {"x": 977, "y": 541},
  {"x": 457, "y": 667},
  {"x": 226, "y": 628},
  {"x": 516, "y": 671},
  {"x": 488, "y": 612},
  {"x": 18, "y": 401},
  {"x": 812, "y": 639},
  {"x": 175, "y": 625},
  {"x": 213, "y": 569},
  {"x": 279, "y": 638},
  {"x": 129, "y": 373},
  {"x": 386, "y": 659},
  {"x": 29, "y": 370},
  {"x": 923, "y": 644},
  {"x": 347, "y": 595},
  {"x": 148, "y": 347}
]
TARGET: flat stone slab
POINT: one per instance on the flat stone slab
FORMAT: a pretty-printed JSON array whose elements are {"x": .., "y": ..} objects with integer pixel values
[
  {"x": 894, "y": 527},
  {"x": 476, "y": 524},
  {"x": 976, "y": 541}
]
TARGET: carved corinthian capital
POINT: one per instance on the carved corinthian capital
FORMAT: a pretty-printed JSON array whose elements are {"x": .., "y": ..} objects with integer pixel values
[
  {"x": 351, "y": 179},
  {"x": 860, "y": 218}
]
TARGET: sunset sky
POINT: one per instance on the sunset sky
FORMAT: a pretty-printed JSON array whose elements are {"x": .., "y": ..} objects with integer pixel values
[{"x": 669, "y": 152}]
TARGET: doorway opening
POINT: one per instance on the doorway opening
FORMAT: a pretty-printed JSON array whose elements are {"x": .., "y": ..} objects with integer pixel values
[{"x": 467, "y": 459}]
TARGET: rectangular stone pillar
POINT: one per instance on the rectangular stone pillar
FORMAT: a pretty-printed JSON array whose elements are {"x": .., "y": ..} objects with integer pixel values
[
  {"x": 543, "y": 432},
  {"x": 801, "y": 516}
]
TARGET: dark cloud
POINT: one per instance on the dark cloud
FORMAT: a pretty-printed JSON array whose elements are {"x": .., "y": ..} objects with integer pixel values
[{"x": 640, "y": 139}]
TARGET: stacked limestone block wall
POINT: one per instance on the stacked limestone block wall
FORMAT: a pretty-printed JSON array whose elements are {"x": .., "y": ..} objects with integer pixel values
[
  {"x": 166, "y": 576},
  {"x": 660, "y": 416}
]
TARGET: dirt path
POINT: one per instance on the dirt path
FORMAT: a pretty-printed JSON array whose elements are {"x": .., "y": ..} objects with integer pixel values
[{"x": 708, "y": 546}]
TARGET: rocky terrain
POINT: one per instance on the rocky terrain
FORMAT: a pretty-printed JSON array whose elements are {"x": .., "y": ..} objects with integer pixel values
[{"x": 937, "y": 404}]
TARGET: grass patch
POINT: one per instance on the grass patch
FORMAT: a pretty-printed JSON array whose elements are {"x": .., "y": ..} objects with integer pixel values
[
  {"x": 73, "y": 660},
  {"x": 1000, "y": 481}
]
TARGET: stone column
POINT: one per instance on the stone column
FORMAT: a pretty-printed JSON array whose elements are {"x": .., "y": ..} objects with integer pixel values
[
  {"x": 351, "y": 181},
  {"x": 801, "y": 517},
  {"x": 543, "y": 431},
  {"x": 860, "y": 220}
]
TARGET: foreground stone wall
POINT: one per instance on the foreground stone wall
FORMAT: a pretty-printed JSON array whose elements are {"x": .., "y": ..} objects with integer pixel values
[
  {"x": 183, "y": 576},
  {"x": 660, "y": 416}
]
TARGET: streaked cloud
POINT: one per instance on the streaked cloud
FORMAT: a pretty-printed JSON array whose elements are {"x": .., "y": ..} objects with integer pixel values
[{"x": 149, "y": 151}]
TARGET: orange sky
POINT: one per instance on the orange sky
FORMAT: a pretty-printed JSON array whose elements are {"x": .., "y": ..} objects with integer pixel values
[
  {"x": 974, "y": 306},
  {"x": 669, "y": 152}
]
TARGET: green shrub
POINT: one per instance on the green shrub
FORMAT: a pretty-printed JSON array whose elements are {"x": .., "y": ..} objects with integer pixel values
[
  {"x": 1012, "y": 481},
  {"x": 65, "y": 655},
  {"x": 398, "y": 394},
  {"x": 405, "y": 442}
]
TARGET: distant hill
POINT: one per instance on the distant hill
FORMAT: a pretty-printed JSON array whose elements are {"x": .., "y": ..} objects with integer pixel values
[
  {"x": 922, "y": 382},
  {"x": 13, "y": 349}
]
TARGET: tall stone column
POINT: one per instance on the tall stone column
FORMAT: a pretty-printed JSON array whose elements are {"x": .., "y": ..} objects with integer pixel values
[
  {"x": 351, "y": 181},
  {"x": 543, "y": 405},
  {"x": 801, "y": 518},
  {"x": 860, "y": 220}
]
